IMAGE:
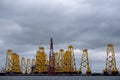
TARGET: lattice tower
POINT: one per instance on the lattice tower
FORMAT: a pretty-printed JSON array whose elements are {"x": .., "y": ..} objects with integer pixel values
[
  {"x": 56, "y": 62},
  {"x": 23, "y": 65},
  {"x": 28, "y": 66},
  {"x": 16, "y": 63},
  {"x": 69, "y": 65},
  {"x": 41, "y": 61},
  {"x": 60, "y": 60},
  {"x": 85, "y": 62},
  {"x": 51, "y": 59},
  {"x": 110, "y": 61},
  {"x": 8, "y": 65},
  {"x": 33, "y": 62}
]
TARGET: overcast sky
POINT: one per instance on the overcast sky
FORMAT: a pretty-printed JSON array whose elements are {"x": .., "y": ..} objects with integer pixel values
[{"x": 91, "y": 24}]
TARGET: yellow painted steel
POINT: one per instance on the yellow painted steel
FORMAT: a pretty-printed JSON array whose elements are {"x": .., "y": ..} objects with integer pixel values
[
  {"x": 41, "y": 61},
  {"x": 56, "y": 62},
  {"x": 64, "y": 62},
  {"x": 69, "y": 65},
  {"x": 60, "y": 61},
  {"x": 15, "y": 63},
  {"x": 110, "y": 61},
  {"x": 85, "y": 62},
  {"x": 8, "y": 65}
]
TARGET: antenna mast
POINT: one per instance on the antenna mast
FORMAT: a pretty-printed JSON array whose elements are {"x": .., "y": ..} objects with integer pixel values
[{"x": 51, "y": 58}]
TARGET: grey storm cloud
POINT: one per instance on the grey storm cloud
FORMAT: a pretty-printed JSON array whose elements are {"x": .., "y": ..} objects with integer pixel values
[{"x": 88, "y": 24}]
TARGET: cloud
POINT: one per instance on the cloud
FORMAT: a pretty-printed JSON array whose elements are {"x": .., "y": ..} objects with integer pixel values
[{"x": 85, "y": 24}]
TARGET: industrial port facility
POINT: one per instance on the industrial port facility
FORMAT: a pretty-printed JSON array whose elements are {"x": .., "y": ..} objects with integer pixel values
[{"x": 59, "y": 63}]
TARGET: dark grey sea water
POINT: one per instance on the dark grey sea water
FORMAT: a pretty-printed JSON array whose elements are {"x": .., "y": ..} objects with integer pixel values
[{"x": 59, "y": 77}]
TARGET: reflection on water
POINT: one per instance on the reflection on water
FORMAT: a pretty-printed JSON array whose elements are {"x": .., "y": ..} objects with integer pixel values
[{"x": 59, "y": 77}]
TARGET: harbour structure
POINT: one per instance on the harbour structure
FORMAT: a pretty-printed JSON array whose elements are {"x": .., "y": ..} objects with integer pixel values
[
  {"x": 85, "y": 62},
  {"x": 68, "y": 64},
  {"x": 57, "y": 66},
  {"x": 51, "y": 67},
  {"x": 62, "y": 62},
  {"x": 8, "y": 65},
  {"x": 28, "y": 66},
  {"x": 111, "y": 68},
  {"x": 41, "y": 62},
  {"x": 16, "y": 63},
  {"x": 33, "y": 65},
  {"x": 59, "y": 61},
  {"x": 12, "y": 63},
  {"x": 23, "y": 65}
]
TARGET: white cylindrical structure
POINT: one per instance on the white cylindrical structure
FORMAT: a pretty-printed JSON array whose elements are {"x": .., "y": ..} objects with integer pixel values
[
  {"x": 33, "y": 62},
  {"x": 23, "y": 65},
  {"x": 28, "y": 66}
]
